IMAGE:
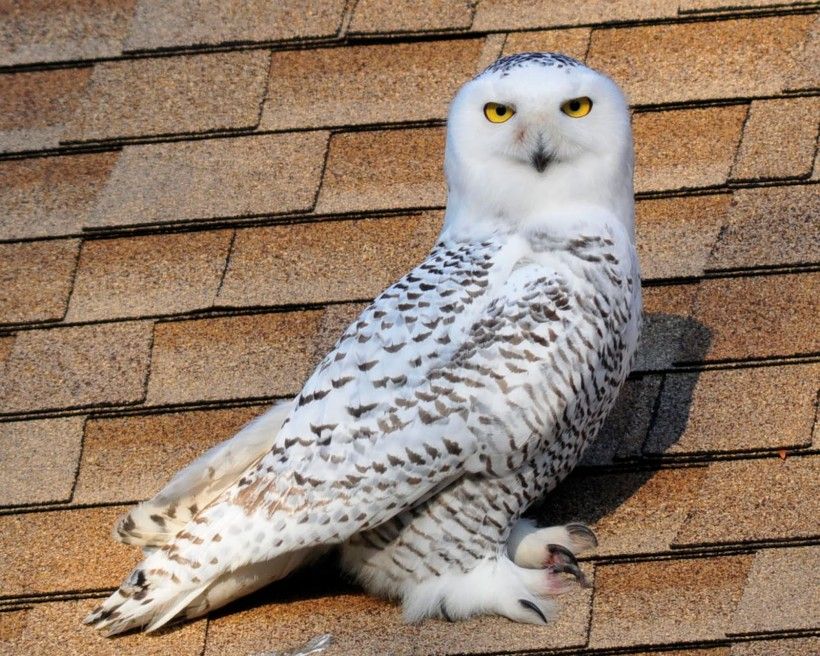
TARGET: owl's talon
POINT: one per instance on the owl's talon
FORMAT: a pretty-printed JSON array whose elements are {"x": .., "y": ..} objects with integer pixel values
[
  {"x": 558, "y": 555},
  {"x": 526, "y": 603},
  {"x": 583, "y": 537},
  {"x": 573, "y": 570}
]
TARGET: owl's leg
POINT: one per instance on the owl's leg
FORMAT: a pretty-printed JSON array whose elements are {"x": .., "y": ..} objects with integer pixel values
[
  {"x": 449, "y": 558},
  {"x": 533, "y": 547}
]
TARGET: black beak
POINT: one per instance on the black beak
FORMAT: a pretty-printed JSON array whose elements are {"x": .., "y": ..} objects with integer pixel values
[{"x": 540, "y": 159}]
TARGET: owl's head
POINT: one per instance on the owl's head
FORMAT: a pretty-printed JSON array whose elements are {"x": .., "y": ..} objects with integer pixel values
[{"x": 537, "y": 135}]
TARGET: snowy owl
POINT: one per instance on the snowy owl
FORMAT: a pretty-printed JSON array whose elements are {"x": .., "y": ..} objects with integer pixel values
[{"x": 464, "y": 392}]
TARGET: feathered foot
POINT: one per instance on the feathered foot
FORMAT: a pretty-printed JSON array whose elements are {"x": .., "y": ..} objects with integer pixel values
[{"x": 536, "y": 548}]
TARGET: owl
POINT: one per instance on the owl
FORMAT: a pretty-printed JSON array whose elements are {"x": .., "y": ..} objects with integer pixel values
[{"x": 462, "y": 394}]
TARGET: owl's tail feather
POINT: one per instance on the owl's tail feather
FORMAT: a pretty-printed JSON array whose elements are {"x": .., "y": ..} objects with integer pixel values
[
  {"x": 154, "y": 522},
  {"x": 140, "y": 603},
  {"x": 150, "y": 601}
]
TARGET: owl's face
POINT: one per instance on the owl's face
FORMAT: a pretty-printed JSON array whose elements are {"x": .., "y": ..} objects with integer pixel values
[{"x": 536, "y": 130}]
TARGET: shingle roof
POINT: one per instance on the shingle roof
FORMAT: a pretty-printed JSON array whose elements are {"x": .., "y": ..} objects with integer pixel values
[{"x": 196, "y": 197}]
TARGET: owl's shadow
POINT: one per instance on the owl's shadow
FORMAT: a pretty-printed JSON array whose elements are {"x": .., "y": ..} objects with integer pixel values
[
  {"x": 626, "y": 454},
  {"x": 649, "y": 418}
]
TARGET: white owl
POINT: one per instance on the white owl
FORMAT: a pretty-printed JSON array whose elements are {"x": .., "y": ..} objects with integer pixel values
[{"x": 468, "y": 388}]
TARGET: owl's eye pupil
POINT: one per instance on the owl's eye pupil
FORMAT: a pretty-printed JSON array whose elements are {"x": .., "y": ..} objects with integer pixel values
[
  {"x": 501, "y": 110},
  {"x": 575, "y": 105}
]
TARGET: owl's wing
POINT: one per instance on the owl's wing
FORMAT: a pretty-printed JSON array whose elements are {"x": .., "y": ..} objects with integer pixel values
[{"x": 154, "y": 522}]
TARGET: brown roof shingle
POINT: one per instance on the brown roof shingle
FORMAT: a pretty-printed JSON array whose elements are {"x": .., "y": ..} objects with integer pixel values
[
  {"x": 781, "y": 592},
  {"x": 573, "y": 42},
  {"x": 36, "y": 279},
  {"x": 761, "y": 500},
  {"x": 666, "y": 601},
  {"x": 512, "y": 14},
  {"x": 162, "y": 444},
  {"x": 148, "y": 276},
  {"x": 171, "y": 95},
  {"x": 77, "y": 366},
  {"x": 770, "y": 226},
  {"x": 324, "y": 261},
  {"x": 46, "y": 31},
  {"x": 390, "y": 169},
  {"x": 38, "y": 460},
  {"x": 232, "y": 357},
  {"x": 56, "y": 628},
  {"x": 709, "y": 137},
  {"x": 84, "y": 559},
  {"x": 371, "y": 16},
  {"x": 157, "y": 24},
  {"x": 703, "y": 413},
  {"x": 265, "y": 174},
  {"x": 778, "y": 139},
  {"x": 366, "y": 84},
  {"x": 756, "y": 317},
  {"x": 50, "y": 196},
  {"x": 34, "y": 107},
  {"x": 701, "y": 60}
]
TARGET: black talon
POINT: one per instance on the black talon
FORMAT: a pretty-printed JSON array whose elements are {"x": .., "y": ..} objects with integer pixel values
[
  {"x": 584, "y": 533},
  {"x": 526, "y": 603},
  {"x": 444, "y": 612},
  {"x": 563, "y": 568},
  {"x": 563, "y": 551}
]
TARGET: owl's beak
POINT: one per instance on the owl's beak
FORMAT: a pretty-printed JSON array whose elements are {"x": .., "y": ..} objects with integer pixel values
[{"x": 540, "y": 158}]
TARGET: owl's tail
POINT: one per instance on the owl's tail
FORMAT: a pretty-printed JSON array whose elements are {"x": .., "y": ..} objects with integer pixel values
[
  {"x": 155, "y": 522},
  {"x": 149, "y": 599}
]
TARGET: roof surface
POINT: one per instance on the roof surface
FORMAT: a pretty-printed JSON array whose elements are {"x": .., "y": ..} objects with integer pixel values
[{"x": 196, "y": 197}]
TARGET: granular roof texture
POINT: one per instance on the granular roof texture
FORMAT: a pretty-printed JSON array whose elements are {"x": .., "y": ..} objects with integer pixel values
[{"x": 197, "y": 197}]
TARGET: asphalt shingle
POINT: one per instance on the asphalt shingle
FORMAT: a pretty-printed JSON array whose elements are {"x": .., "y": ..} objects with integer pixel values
[
  {"x": 781, "y": 593},
  {"x": 44, "y": 31},
  {"x": 755, "y": 317},
  {"x": 513, "y": 14},
  {"x": 708, "y": 137},
  {"x": 761, "y": 500},
  {"x": 573, "y": 42},
  {"x": 56, "y": 628},
  {"x": 266, "y": 174},
  {"x": 366, "y": 84},
  {"x": 701, "y": 60},
  {"x": 669, "y": 228},
  {"x": 770, "y": 226},
  {"x": 85, "y": 558},
  {"x": 39, "y": 459},
  {"x": 666, "y": 601},
  {"x": 384, "y": 170},
  {"x": 171, "y": 95},
  {"x": 778, "y": 139},
  {"x": 76, "y": 366},
  {"x": 736, "y": 410},
  {"x": 50, "y": 196},
  {"x": 35, "y": 279},
  {"x": 324, "y": 261},
  {"x": 131, "y": 458},
  {"x": 384, "y": 16},
  {"x": 145, "y": 276},
  {"x": 157, "y": 24},
  {"x": 35, "y": 105},
  {"x": 232, "y": 357}
]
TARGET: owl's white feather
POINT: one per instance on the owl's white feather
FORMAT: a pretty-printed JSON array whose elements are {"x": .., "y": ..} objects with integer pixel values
[{"x": 466, "y": 390}]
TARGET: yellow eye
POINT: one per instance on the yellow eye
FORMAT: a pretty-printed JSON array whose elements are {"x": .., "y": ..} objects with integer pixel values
[
  {"x": 498, "y": 113},
  {"x": 577, "y": 107}
]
